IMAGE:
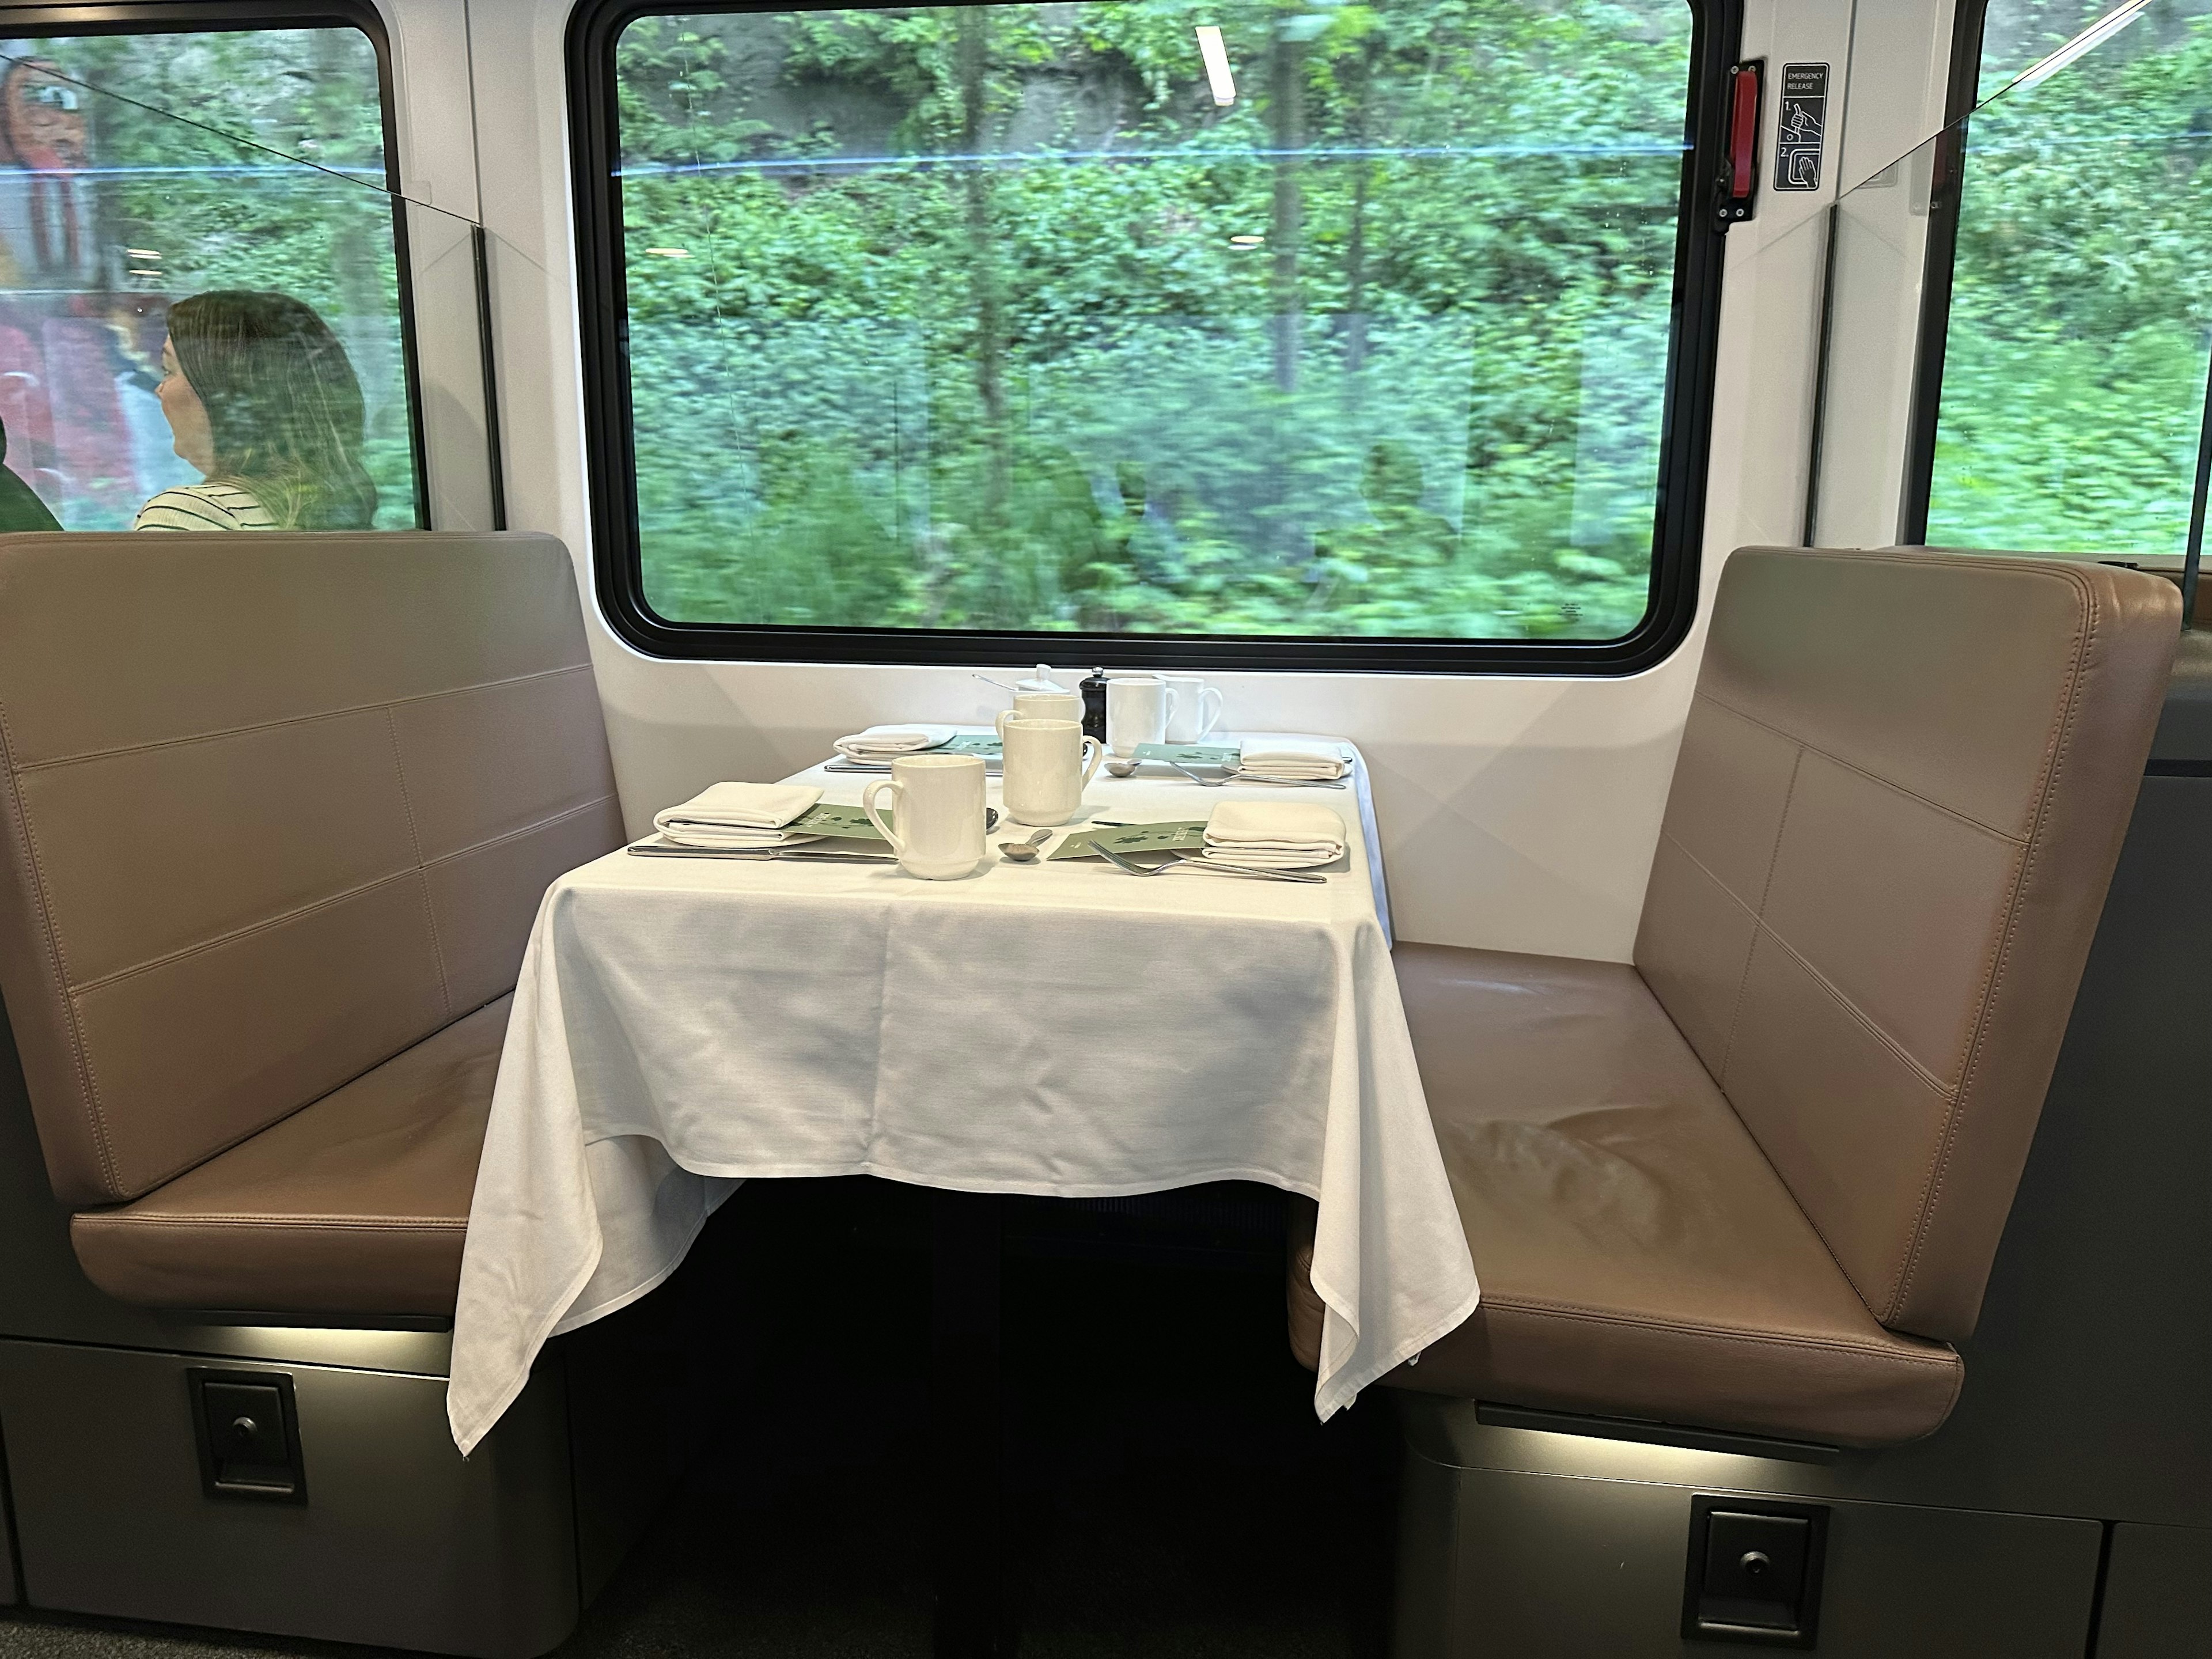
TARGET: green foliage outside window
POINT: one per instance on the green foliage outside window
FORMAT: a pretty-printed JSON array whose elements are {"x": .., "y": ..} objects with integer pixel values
[{"x": 993, "y": 316}]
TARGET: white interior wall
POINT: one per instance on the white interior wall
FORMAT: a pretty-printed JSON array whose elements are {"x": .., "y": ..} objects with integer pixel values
[{"x": 1517, "y": 813}]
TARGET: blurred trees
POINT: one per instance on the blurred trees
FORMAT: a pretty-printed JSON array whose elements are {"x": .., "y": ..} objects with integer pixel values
[{"x": 1092, "y": 351}]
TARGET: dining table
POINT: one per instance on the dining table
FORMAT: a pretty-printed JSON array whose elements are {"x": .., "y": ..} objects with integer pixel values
[{"x": 1057, "y": 1027}]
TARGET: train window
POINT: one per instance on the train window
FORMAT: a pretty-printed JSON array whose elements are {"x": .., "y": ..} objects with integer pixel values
[
  {"x": 1326, "y": 334},
  {"x": 2071, "y": 381},
  {"x": 200, "y": 302}
]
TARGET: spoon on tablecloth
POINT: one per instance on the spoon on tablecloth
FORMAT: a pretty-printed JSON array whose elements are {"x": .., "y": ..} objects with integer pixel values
[
  {"x": 1023, "y": 852},
  {"x": 1123, "y": 768}
]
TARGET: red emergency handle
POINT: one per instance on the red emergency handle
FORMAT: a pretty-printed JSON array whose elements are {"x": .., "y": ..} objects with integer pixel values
[{"x": 1743, "y": 132}]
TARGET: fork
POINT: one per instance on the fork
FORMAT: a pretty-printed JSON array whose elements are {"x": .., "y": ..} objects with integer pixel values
[
  {"x": 1211, "y": 783},
  {"x": 1283, "y": 783},
  {"x": 1136, "y": 869}
]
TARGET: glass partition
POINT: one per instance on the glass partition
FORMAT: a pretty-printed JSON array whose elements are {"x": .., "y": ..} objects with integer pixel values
[
  {"x": 205, "y": 288},
  {"x": 2056, "y": 244}
]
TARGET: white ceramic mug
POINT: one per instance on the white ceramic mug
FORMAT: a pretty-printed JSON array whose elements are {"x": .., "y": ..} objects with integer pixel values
[
  {"x": 1042, "y": 706},
  {"x": 1194, "y": 709},
  {"x": 1137, "y": 711},
  {"x": 1049, "y": 765},
  {"x": 941, "y": 814}
]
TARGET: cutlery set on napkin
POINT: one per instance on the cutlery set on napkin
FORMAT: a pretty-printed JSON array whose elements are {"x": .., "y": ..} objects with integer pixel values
[
  {"x": 1264, "y": 761},
  {"x": 1258, "y": 760},
  {"x": 1273, "y": 835},
  {"x": 875, "y": 749},
  {"x": 884, "y": 742},
  {"x": 1241, "y": 836},
  {"x": 740, "y": 817}
]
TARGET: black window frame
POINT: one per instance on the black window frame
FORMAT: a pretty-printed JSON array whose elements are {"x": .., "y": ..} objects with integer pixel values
[
  {"x": 249, "y": 17},
  {"x": 1679, "y": 510}
]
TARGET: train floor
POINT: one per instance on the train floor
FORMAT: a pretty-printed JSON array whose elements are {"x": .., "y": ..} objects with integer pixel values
[{"x": 1169, "y": 1489}]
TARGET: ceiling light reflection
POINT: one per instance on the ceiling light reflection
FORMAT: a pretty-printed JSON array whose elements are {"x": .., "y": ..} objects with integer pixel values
[
  {"x": 1217, "y": 64},
  {"x": 2095, "y": 35}
]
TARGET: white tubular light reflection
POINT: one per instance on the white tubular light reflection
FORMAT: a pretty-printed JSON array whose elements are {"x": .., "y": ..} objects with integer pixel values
[
  {"x": 2091, "y": 38},
  {"x": 1217, "y": 64}
]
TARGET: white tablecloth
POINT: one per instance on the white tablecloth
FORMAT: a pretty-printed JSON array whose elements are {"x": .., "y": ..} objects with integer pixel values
[{"x": 1062, "y": 1028}]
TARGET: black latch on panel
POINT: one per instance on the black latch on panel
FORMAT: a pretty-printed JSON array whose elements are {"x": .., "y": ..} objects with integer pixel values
[
  {"x": 1737, "y": 188},
  {"x": 1754, "y": 1572},
  {"x": 248, "y": 1429}
]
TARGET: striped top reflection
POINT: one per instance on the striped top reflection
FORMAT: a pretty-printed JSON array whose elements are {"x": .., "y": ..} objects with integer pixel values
[{"x": 204, "y": 507}]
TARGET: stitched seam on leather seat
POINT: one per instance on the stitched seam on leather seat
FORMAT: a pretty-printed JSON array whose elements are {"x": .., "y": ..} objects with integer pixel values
[
  {"x": 1933, "y": 805},
  {"x": 415, "y": 841},
  {"x": 298, "y": 720},
  {"x": 80, "y": 1055},
  {"x": 1719, "y": 1332},
  {"x": 288, "y": 1223},
  {"x": 1760, "y": 927},
  {"x": 1758, "y": 911},
  {"x": 1863, "y": 1021},
  {"x": 237, "y": 934},
  {"x": 2057, "y": 745},
  {"x": 517, "y": 834}
]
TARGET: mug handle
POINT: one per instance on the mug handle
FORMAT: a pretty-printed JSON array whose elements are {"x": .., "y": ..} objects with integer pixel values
[
  {"x": 1096, "y": 751},
  {"x": 1000, "y": 725},
  {"x": 1168, "y": 699},
  {"x": 868, "y": 806},
  {"x": 1207, "y": 722}
]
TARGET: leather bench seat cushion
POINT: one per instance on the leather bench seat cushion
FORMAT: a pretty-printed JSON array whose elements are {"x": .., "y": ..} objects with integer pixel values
[
  {"x": 357, "y": 1204},
  {"x": 1638, "y": 1256}
]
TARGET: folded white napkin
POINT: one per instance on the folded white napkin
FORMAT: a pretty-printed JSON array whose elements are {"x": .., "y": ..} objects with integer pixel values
[
  {"x": 1274, "y": 834},
  {"x": 737, "y": 815},
  {"x": 1263, "y": 759},
  {"x": 880, "y": 742}
]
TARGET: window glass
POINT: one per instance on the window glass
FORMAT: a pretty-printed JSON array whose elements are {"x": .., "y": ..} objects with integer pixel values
[
  {"x": 2074, "y": 366},
  {"x": 236, "y": 179},
  {"x": 1314, "y": 319}
]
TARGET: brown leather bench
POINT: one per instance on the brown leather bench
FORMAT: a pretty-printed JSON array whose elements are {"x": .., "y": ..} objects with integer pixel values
[
  {"x": 1755, "y": 1181},
  {"x": 277, "y": 812}
]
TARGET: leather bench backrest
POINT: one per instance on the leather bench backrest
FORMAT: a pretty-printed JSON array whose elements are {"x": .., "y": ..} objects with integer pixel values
[
  {"x": 276, "y": 807},
  {"x": 1901, "y": 794}
]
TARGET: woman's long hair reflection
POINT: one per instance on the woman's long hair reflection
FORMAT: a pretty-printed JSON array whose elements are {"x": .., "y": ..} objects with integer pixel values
[{"x": 263, "y": 402}]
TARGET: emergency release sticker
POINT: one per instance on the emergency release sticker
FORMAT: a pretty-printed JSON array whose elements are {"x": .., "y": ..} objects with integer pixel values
[{"x": 1803, "y": 127}]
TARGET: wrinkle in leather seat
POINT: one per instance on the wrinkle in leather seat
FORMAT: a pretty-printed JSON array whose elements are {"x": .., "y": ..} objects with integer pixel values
[{"x": 1638, "y": 1257}]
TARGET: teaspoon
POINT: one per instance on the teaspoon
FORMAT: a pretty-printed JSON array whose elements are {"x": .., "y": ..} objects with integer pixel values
[{"x": 1023, "y": 852}]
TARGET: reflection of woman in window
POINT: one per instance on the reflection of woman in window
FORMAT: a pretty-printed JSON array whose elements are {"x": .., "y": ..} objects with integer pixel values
[{"x": 263, "y": 401}]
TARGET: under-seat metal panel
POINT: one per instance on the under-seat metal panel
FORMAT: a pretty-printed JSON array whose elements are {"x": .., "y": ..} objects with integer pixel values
[
  {"x": 1513, "y": 1565},
  {"x": 401, "y": 1543},
  {"x": 2158, "y": 1595}
]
